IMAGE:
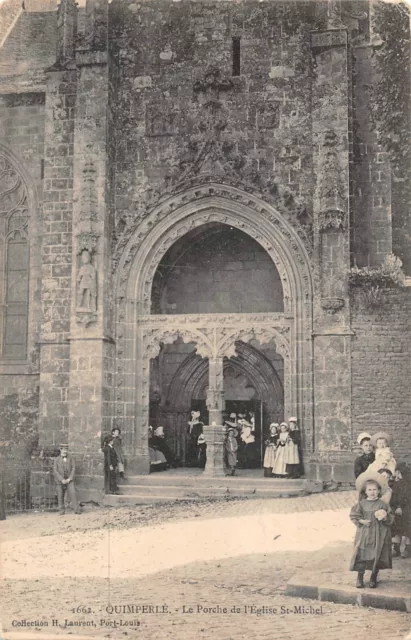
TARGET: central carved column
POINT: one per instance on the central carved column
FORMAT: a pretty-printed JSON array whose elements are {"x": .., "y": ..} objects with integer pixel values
[
  {"x": 215, "y": 393},
  {"x": 214, "y": 432}
]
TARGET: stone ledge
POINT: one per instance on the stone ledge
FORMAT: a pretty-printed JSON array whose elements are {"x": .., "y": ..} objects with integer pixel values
[{"x": 343, "y": 594}]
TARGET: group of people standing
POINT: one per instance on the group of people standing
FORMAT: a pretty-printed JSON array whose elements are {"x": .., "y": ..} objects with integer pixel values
[
  {"x": 239, "y": 442},
  {"x": 283, "y": 454},
  {"x": 382, "y": 514}
]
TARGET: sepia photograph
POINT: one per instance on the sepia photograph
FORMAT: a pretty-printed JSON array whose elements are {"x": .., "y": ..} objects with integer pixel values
[{"x": 205, "y": 319}]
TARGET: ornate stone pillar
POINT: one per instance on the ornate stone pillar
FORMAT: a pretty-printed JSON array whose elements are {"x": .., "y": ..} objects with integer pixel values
[
  {"x": 91, "y": 392},
  {"x": 214, "y": 436},
  {"x": 215, "y": 393},
  {"x": 214, "y": 432},
  {"x": 331, "y": 98}
]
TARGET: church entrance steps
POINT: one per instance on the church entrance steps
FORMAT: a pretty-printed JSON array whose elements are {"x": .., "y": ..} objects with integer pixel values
[{"x": 155, "y": 488}]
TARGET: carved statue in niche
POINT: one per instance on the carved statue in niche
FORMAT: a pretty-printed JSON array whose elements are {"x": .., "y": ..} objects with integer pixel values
[{"x": 86, "y": 284}]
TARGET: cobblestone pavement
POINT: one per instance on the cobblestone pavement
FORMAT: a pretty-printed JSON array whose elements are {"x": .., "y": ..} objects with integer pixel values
[{"x": 264, "y": 542}]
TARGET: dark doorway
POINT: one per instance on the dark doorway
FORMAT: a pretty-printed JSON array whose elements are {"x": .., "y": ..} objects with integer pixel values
[{"x": 247, "y": 408}]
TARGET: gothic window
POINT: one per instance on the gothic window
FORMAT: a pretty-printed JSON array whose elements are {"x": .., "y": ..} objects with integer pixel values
[{"x": 14, "y": 257}]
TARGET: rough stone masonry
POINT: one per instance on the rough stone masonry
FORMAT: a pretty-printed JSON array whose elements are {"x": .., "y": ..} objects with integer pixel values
[{"x": 191, "y": 182}]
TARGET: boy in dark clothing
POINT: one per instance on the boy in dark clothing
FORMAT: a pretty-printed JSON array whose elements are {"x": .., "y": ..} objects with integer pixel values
[
  {"x": 363, "y": 461},
  {"x": 110, "y": 466}
]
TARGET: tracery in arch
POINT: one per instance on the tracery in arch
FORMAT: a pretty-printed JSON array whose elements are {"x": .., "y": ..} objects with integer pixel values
[{"x": 14, "y": 257}]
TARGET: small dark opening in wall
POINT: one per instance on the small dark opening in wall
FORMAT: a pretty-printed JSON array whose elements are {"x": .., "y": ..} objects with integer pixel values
[
  {"x": 42, "y": 169},
  {"x": 236, "y": 56}
]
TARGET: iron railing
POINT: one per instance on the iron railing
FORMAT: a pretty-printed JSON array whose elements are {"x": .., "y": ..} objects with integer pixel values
[{"x": 27, "y": 484}]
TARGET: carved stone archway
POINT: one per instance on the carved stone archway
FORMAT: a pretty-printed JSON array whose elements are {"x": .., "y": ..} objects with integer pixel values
[
  {"x": 191, "y": 378},
  {"x": 139, "y": 333}
]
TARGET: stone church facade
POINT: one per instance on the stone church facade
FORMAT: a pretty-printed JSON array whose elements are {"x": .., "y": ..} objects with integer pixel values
[{"x": 184, "y": 189}]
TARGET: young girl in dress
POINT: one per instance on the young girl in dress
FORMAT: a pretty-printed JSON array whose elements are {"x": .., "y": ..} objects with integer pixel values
[
  {"x": 281, "y": 454},
  {"x": 373, "y": 519},
  {"x": 269, "y": 455},
  {"x": 384, "y": 458},
  {"x": 231, "y": 447}
]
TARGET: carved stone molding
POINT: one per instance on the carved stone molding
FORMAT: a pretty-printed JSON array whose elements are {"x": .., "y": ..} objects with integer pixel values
[
  {"x": 85, "y": 318},
  {"x": 330, "y": 189},
  {"x": 190, "y": 188},
  {"x": 153, "y": 338},
  {"x": 89, "y": 195},
  {"x": 215, "y": 399},
  {"x": 227, "y": 348},
  {"x": 275, "y": 319},
  {"x": 215, "y": 335},
  {"x": 332, "y": 305},
  {"x": 219, "y": 198}
]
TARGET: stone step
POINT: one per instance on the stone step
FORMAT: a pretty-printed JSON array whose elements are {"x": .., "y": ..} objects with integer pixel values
[
  {"x": 171, "y": 479},
  {"x": 143, "y": 494},
  {"x": 209, "y": 489}
]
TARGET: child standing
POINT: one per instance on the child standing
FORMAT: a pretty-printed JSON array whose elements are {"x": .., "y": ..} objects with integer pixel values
[
  {"x": 269, "y": 455},
  {"x": 281, "y": 457},
  {"x": 363, "y": 461},
  {"x": 202, "y": 451},
  {"x": 384, "y": 458},
  {"x": 400, "y": 502},
  {"x": 373, "y": 519},
  {"x": 231, "y": 447}
]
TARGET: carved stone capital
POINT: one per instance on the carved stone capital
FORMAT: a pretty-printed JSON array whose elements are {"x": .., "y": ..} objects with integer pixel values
[{"x": 332, "y": 305}]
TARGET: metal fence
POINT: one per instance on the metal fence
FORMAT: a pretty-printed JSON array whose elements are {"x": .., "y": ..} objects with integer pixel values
[{"x": 27, "y": 485}]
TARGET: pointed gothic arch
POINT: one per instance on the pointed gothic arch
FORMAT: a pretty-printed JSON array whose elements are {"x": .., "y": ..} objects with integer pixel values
[
  {"x": 18, "y": 251},
  {"x": 167, "y": 223}
]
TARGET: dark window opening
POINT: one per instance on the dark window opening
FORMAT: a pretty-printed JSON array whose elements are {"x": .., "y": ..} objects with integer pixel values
[{"x": 236, "y": 56}]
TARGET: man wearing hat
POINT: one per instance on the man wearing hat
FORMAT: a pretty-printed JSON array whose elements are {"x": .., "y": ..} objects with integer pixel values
[
  {"x": 362, "y": 462},
  {"x": 64, "y": 470}
]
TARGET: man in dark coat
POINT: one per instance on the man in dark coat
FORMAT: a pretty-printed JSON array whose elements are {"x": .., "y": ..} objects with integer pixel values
[
  {"x": 64, "y": 470},
  {"x": 363, "y": 461},
  {"x": 110, "y": 466}
]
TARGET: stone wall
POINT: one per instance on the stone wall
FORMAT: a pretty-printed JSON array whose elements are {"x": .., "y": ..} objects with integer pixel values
[
  {"x": 223, "y": 272},
  {"x": 381, "y": 368},
  {"x": 174, "y": 122}
]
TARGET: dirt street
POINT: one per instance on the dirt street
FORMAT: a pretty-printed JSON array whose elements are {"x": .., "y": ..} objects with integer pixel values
[{"x": 214, "y": 568}]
